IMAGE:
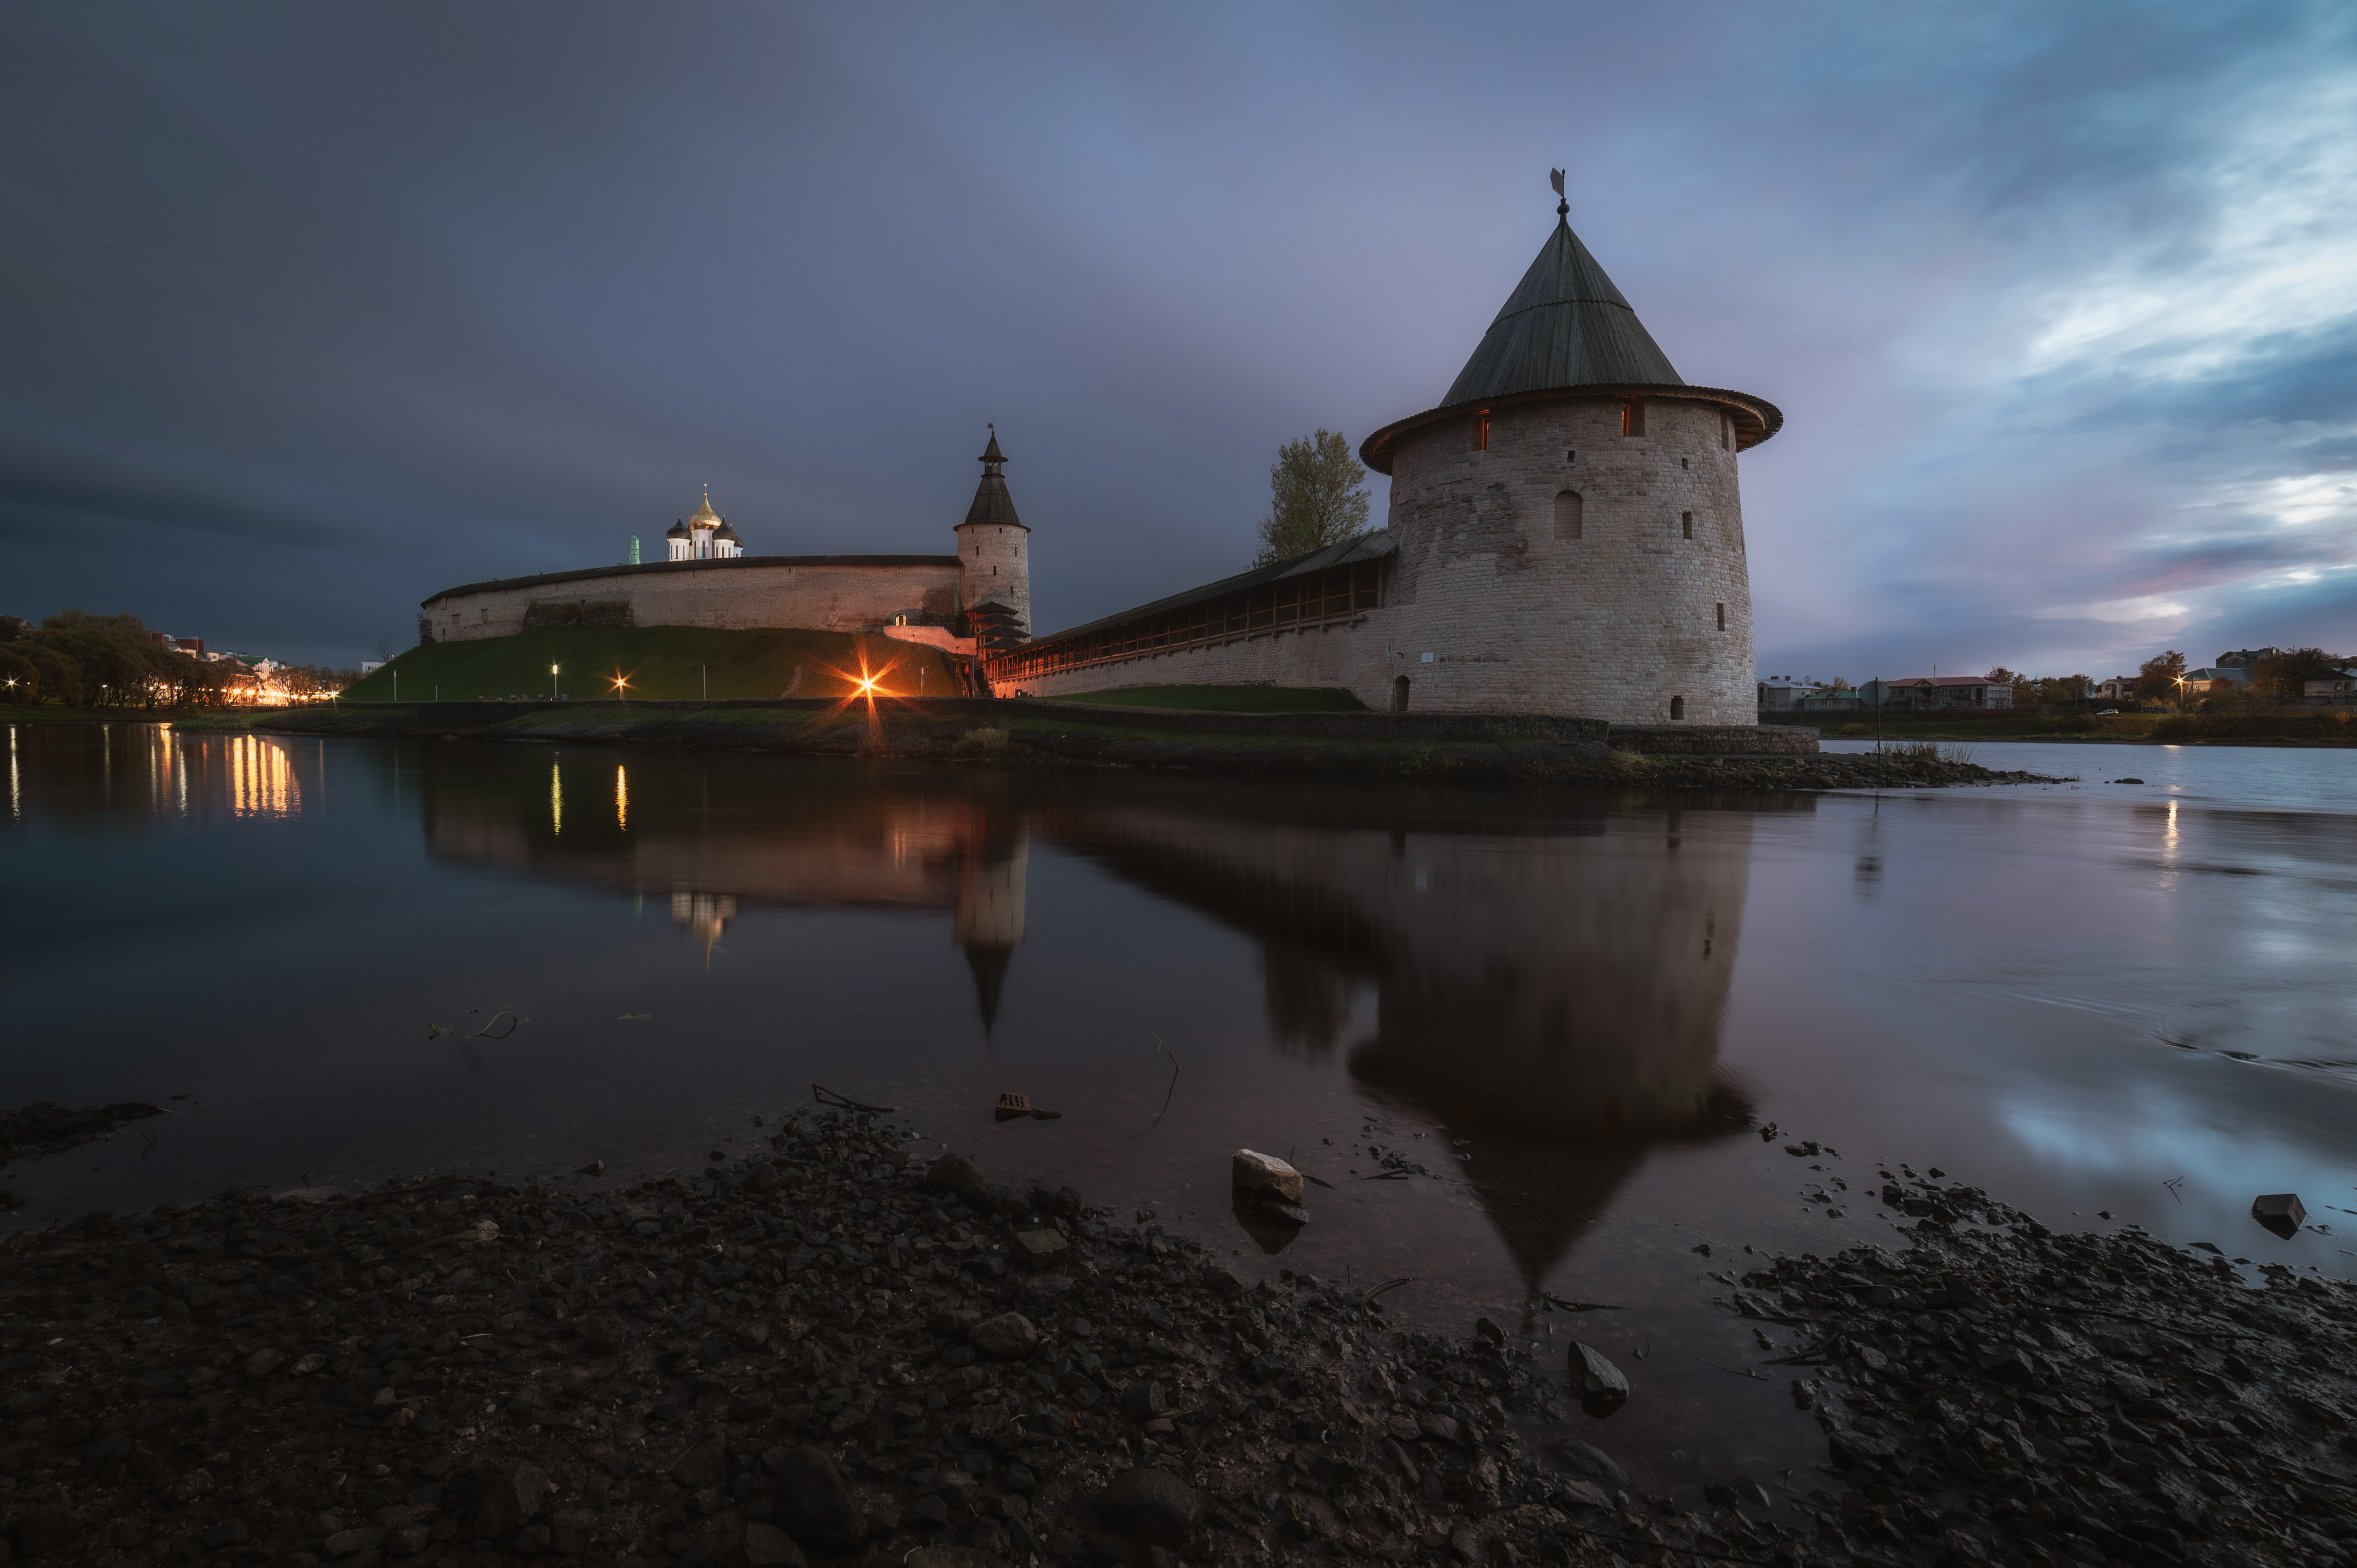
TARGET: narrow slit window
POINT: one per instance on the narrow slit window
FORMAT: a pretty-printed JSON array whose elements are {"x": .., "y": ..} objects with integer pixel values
[
  {"x": 1571, "y": 456},
  {"x": 1678, "y": 707},
  {"x": 1726, "y": 431},
  {"x": 1481, "y": 430},
  {"x": 1570, "y": 514},
  {"x": 1686, "y": 524},
  {"x": 1722, "y": 617},
  {"x": 1633, "y": 417}
]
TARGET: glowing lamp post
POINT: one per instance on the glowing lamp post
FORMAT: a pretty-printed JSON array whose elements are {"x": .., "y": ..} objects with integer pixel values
[
  {"x": 621, "y": 688},
  {"x": 552, "y": 682}
]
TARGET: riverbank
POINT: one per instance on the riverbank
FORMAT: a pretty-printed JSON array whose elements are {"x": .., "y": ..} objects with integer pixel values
[
  {"x": 833, "y": 1351},
  {"x": 2330, "y": 728},
  {"x": 1458, "y": 748}
]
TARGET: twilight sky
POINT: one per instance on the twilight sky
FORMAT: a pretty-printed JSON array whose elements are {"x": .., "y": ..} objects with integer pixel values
[{"x": 307, "y": 312}]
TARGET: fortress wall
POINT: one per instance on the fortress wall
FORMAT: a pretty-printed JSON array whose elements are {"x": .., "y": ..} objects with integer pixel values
[
  {"x": 1521, "y": 616},
  {"x": 1345, "y": 654},
  {"x": 732, "y": 596}
]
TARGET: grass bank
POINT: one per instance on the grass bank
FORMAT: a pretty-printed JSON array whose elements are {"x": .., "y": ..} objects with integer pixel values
[
  {"x": 2152, "y": 729},
  {"x": 662, "y": 662}
]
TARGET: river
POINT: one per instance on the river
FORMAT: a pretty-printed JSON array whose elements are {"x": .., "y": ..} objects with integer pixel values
[{"x": 2108, "y": 1004}]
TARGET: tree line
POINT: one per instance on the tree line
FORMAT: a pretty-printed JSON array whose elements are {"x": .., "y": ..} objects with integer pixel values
[
  {"x": 2281, "y": 677},
  {"x": 78, "y": 660}
]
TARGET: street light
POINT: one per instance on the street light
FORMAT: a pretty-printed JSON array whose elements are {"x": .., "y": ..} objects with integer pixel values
[
  {"x": 621, "y": 688},
  {"x": 552, "y": 684}
]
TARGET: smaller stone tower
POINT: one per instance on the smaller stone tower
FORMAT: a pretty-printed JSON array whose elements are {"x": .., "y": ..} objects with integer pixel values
[{"x": 995, "y": 561}]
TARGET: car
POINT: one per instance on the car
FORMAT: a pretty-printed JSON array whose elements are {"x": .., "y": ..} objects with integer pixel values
[{"x": 2107, "y": 712}]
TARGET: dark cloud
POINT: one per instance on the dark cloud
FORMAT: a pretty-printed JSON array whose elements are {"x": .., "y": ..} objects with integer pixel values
[{"x": 314, "y": 311}]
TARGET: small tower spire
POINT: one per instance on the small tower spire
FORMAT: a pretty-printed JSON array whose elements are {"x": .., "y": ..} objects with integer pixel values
[{"x": 991, "y": 457}]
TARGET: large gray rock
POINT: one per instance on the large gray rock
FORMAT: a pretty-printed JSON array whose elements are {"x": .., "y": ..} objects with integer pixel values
[
  {"x": 1009, "y": 1337},
  {"x": 1258, "y": 1173},
  {"x": 1150, "y": 1506},
  {"x": 815, "y": 1503},
  {"x": 952, "y": 1173},
  {"x": 1603, "y": 1389},
  {"x": 514, "y": 1494},
  {"x": 767, "y": 1546}
]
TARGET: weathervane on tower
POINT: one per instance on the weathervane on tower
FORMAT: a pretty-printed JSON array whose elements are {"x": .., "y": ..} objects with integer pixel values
[{"x": 1563, "y": 206}]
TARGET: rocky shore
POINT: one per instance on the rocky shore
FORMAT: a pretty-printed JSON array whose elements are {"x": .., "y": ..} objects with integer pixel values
[{"x": 832, "y": 1352}]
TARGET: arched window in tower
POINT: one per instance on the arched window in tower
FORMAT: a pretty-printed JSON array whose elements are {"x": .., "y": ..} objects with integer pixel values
[
  {"x": 1678, "y": 707},
  {"x": 1570, "y": 514},
  {"x": 1481, "y": 429},
  {"x": 1633, "y": 416},
  {"x": 1399, "y": 694},
  {"x": 1686, "y": 524}
]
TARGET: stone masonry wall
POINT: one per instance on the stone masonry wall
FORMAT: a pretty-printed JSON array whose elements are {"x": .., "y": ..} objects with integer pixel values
[
  {"x": 1494, "y": 605},
  {"x": 995, "y": 562},
  {"x": 719, "y": 593},
  {"x": 1335, "y": 654},
  {"x": 1520, "y": 614}
]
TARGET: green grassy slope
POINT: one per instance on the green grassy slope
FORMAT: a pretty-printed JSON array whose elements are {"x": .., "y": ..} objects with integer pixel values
[
  {"x": 1227, "y": 699},
  {"x": 662, "y": 662}
]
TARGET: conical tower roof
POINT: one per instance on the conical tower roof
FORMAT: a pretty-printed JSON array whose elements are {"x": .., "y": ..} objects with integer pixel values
[
  {"x": 990, "y": 501},
  {"x": 1568, "y": 331},
  {"x": 1564, "y": 326}
]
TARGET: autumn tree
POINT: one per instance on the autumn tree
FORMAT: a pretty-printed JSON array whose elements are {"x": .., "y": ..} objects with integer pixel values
[
  {"x": 2158, "y": 676},
  {"x": 2285, "y": 675},
  {"x": 2001, "y": 676},
  {"x": 1317, "y": 498}
]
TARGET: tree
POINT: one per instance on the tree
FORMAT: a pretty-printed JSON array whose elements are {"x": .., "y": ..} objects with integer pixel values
[
  {"x": 77, "y": 619},
  {"x": 2158, "y": 676},
  {"x": 2285, "y": 675},
  {"x": 2001, "y": 676},
  {"x": 1316, "y": 498},
  {"x": 2062, "y": 688}
]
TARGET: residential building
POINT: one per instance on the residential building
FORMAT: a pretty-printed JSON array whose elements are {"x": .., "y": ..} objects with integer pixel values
[
  {"x": 2215, "y": 680},
  {"x": 2340, "y": 686},
  {"x": 1921, "y": 691}
]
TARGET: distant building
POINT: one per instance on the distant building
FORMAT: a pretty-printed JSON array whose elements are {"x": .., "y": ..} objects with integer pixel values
[
  {"x": 1781, "y": 693},
  {"x": 2217, "y": 680},
  {"x": 2340, "y": 686},
  {"x": 2118, "y": 689},
  {"x": 371, "y": 666},
  {"x": 2243, "y": 657},
  {"x": 189, "y": 645},
  {"x": 1923, "y": 692},
  {"x": 702, "y": 536}
]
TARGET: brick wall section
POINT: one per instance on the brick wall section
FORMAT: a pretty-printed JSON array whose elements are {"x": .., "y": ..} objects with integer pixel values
[
  {"x": 1614, "y": 623},
  {"x": 752, "y": 592},
  {"x": 995, "y": 562},
  {"x": 1519, "y": 616}
]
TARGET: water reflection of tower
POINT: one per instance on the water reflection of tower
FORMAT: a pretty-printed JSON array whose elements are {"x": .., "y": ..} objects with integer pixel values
[
  {"x": 1549, "y": 985},
  {"x": 992, "y": 872}
]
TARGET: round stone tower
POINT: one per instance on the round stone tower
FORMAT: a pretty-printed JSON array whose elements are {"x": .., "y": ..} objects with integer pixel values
[
  {"x": 1568, "y": 525},
  {"x": 995, "y": 561}
]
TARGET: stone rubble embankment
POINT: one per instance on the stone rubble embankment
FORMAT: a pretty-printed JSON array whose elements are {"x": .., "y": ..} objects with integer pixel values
[{"x": 832, "y": 1352}]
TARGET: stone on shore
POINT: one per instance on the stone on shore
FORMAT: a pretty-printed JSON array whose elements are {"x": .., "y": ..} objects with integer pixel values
[
  {"x": 1258, "y": 1173},
  {"x": 1009, "y": 1337},
  {"x": 1603, "y": 1386}
]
